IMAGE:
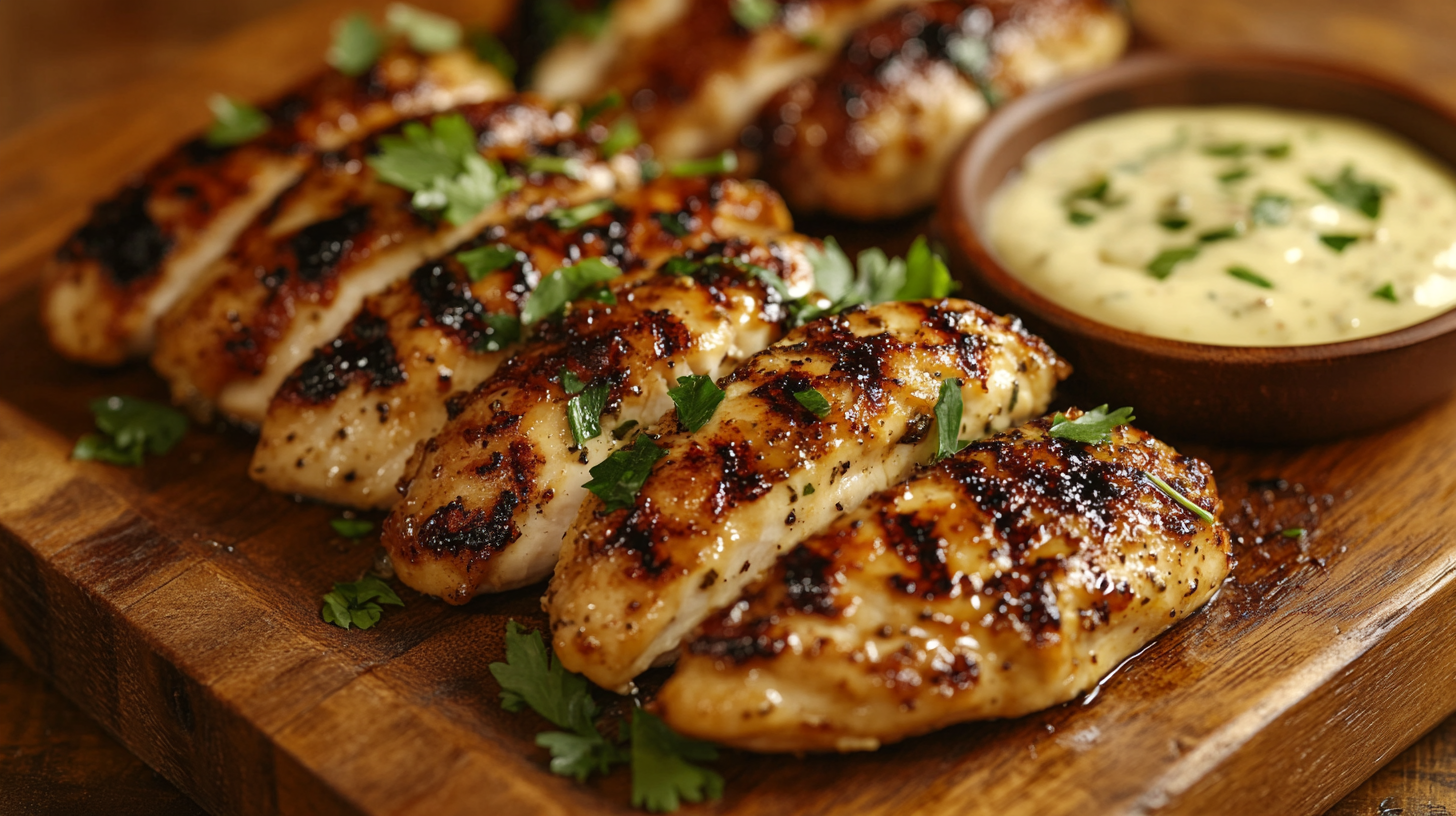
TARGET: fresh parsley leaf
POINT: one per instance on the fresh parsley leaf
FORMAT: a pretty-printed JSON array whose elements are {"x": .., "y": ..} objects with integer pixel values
[
  {"x": 1096, "y": 193},
  {"x": 357, "y": 45},
  {"x": 1271, "y": 210},
  {"x": 1221, "y": 234},
  {"x": 682, "y": 266},
  {"x": 1275, "y": 151},
  {"x": 813, "y": 401},
  {"x": 1171, "y": 220},
  {"x": 672, "y": 224},
  {"x": 565, "y": 285},
  {"x": 1093, "y": 427},
  {"x": 948, "y": 413},
  {"x": 1292, "y": 532},
  {"x": 1179, "y": 497},
  {"x": 1248, "y": 275},
  {"x": 808, "y": 489},
  {"x": 878, "y": 277},
  {"x": 484, "y": 260},
  {"x": 1226, "y": 150},
  {"x": 1082, "y": 219},
  {"x": 501, "y": 331},
  {"x": 973, "y": 57},
  {"x": 753, "y": 14},
  {"x": 663, "y": 775},
  {"x": 352, "y": 527},
  {"x": 1386, "y": 292},
  {"x": 613, "y": 99},
  {"x": 570, "y": 383},
  {"x": 579, "y": 756},
  {"x": 623, "y": 135},
  {"x": 234, "y": 122},
  {"x": 1338, "y": 242},
  {"x": 559, "y": 18},
  {"x": 926, "y": 275},
  {"x": 1162, "y": 266},
  {"x": 426, "y": 31},
  {"x": 358, "y": 604},
  {"x": 833, "y": 273},
  {"x": 1349, "y": 190},
  {"x": 130, "y": 428},
  {"x": 571, "y": 168},
  {"x": 572, "y": 217},
  {"x": 584, "y": 413},
  {"x": 490, "y": 50},
  {"x": 440, "y": 165},
  {"x": 1235, "y": 174},
  {"x": 620, "y": 432},
  {"x": 725, "y": 162},
  {"x": 696, "y": 398},
  {"x": 617, "y": 480}
]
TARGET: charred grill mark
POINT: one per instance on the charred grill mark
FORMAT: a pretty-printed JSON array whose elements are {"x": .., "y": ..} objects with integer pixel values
[
  {"x": 808, "y": 583},
  {"x": 447, "y": 302},
  {"x": 318, "y": 248},
  {"x": 1026, "y": 599},
  {"x": 918, "y": 545},
  {"x": 740, "y": 644},
  {"x": 122, "y": 237},
  {"x": 452, "y": 529},
  {"x": 364, "y": 352}
]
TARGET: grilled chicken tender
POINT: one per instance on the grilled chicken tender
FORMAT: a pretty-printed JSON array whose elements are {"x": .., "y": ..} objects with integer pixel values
[
  {"x": 695, "y": 76},
  {"x": 140, "y": 249},
  {"x": 490, "y": 497},
  {"x": 343, "y": 425},
  {"x": 765, "y": 473},
  {"x": 302, "y": 270},
  {"x": 906, "y": 91},
  {"x": 1007, "y": 579}
]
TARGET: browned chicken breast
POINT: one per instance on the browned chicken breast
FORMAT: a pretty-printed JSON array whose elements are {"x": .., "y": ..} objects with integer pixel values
[
  {"x": 836, "y": 411},
  {"x": 301, "y": 271},
  {"x": 906, "y": 91},
  {"x": 696, "y": 73},
  {"x": 490, "y": 497},
  {"x": 344, "y": 423},
  {"x": 141, "y": 248},
  {"x": 1007, "y": 579}
]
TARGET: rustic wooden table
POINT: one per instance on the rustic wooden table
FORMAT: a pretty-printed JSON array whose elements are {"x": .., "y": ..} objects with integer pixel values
[{"x": 53, "y": 760}]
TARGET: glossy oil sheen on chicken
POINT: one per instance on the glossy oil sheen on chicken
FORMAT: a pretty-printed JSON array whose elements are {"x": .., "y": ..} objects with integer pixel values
[
  {"x": 299, "y": 274},
  {"x": 905, "y": 92},
  {"x": 1004, "y": 580},
  {"x": 490, "y": 496},
  {"x": 140, "y": 249},
  {"x": 765, "y": 473},
  {"x": 696, "y": 76},
  {"x": 343, "y": 425}
]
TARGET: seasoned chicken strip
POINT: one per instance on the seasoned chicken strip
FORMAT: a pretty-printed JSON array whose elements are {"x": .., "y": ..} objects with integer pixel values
[
  {"x": 695, "y": 76},
  {"x": 299, "y": 273},
  {"x": 765, "y": 473},
  {"x": 1007, "y": 579},
  {"x": 492, "y": 494},
  {"x": 140, "y": 249},
  {"x": 343, "y": 425},
  {"x": 906, "y": 91}
]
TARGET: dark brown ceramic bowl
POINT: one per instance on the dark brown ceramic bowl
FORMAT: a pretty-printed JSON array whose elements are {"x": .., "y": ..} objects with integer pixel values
[{"x": 1267, "y": 395}]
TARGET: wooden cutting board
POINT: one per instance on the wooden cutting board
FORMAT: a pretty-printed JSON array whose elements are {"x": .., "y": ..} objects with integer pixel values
[{"x": 179, "y": 604}]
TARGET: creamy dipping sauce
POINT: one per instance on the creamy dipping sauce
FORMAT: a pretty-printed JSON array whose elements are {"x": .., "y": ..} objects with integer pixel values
[{"x": 1236, "y": 226}]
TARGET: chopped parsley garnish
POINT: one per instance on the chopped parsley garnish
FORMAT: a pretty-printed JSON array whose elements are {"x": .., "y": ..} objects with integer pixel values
[
  {"x": 813, "y": 401},
  {"x": 426, "y": 31},
  {"x": 234, "y": 122},
  {"x": 613, "y": 99},
  {"x": 1221, "y": 234},
  {"x": 1248, "y": 275},
  {"x": 490, "y": 50},
  {"x": 1386, "y": 292},
  {"x": 617, "y": 480},
  {"x": 1080, "y": 201},
  {"x": 1275, "y": 151},
  {"x": 1352, "y": 192},
  {"x": 1338, "y": 242},
  {"x": 357, "y": 44},
  {"x": 875, "y": 277},
  {"x": 1292, "y": 532},
  {"x": 130, "y": 428},
  {"x": 358, "y": 604},
  {"x": 1093, "y": 427},
  {"x": 620, "y": 432},
  {"x": 948, "y": 413},
  {"x": 1179, "y": 497},
  {"x": 926, "y": 275},
  {"x": 662, "y": 775},
  {"x": 753, "y": 14},
  {"x": 1162, "y": 266},
  {"x": 1081, "y": 218},
  {"x": 573, "y": 169},
  {"x": 565, "y": 285},
  {"x": 1170, "y": 220},
  {"x": 1271, "y": 210},
  {"x": 808, "y": 489},
  {"x": 672, "y": 223},
  {"x": 352, "y": 527},
  {"x": 1234, "y": 174},
  {"x": 725, "y": 162},
  {"x": 972, "y": 56},
  {"x": 572, "y": 217},
  {"x": 482, "y": 261},
  {"x": 570, "y": 383},
  {"x": 584, "y": 412},
  {"x": 682, "y": 266},
  {"x": 440, "y": 165},
  {"x": 533, "y": 676},
  {"x": 1226, "y": 150},
  {"x": 502, "y": 330},
  {"x": 696, "y": 398},
  {"x": 559, "y": 18},
  {"x": 623, "y": 135}
]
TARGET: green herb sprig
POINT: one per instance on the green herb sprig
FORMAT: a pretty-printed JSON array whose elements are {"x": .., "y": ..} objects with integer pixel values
[
  {"x": 358, "y": 604},
  {"x": 234, "y": 122},
  {"x": 813, "y": 402},
  {"x": 1093, "y": 427},
  {"x": 357, "y": 45},
  {"x": 426, "y": 31},
  {"x": 1352, "y": 191},
  {"x": 584, "y": 412},
  {"x": 1179, "y": 497},
  {"x": 484, "y": 260},
  {"x": 949, "y": 410},
  {"x": 440, "y": 165},
  {"x": 1248, "y": 275},
  {"x": 130, "y": 428},
  {"x": 697, "y": 398},
  {"x": 617, "y": 480},
  {"x": 352, "y": 528},
  {"x": 501, "y": 331},
  {"x": 565, "y": 285},
  {"x": 754, "y": 14}
]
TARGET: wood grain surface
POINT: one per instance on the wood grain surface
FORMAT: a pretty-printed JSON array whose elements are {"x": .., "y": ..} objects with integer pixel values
[{"x": 178, "y": 605}]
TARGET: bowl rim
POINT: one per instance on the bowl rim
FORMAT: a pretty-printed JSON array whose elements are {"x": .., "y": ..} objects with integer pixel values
[{"x": 1134, "y": 70}]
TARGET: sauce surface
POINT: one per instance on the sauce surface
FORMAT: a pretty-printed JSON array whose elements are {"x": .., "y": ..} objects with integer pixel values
[{"x": 1237, "y": 226}]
